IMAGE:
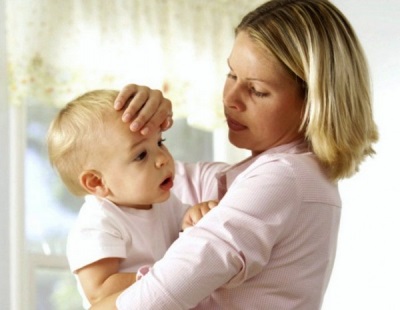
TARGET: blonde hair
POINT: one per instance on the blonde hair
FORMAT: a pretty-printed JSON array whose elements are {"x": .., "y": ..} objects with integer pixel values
[
  {"x": 74, "y": 130},
  {"x": 315, "y": 42}
]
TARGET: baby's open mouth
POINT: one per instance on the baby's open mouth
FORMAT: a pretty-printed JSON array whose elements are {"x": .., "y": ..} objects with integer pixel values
[
  {"x": 167, "y": 184},
  {"x": 166, "y": 181}
]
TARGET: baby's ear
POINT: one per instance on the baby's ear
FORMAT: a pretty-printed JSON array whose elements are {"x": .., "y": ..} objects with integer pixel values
[{"x": 92, "y": 182}]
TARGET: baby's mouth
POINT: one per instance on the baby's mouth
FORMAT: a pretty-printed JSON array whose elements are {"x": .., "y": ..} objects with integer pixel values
[{"x": 167, "y": 184}]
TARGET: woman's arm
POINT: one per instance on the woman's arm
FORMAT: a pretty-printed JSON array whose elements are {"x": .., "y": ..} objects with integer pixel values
[
  {"x": 230, "y": 245},
  {"x": 102, "y": 278}
]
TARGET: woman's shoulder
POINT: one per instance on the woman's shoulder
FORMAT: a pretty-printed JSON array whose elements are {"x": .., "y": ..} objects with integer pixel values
[
  {"x": 279, "y": 160},
  {"x": 299, "y": 169}
]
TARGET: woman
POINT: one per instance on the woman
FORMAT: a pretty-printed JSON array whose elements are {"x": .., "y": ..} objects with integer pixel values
[{"x": 297, "y": 95}]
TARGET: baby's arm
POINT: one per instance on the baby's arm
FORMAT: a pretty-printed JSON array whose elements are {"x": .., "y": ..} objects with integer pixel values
[
  {"x": 102, "y": 278},
  {"x": 108, "y": 303},
  {"x": 195, "y": 213}
]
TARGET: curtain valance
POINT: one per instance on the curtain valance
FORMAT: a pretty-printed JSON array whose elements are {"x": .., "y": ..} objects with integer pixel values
[{"x": 58, "y": 49}]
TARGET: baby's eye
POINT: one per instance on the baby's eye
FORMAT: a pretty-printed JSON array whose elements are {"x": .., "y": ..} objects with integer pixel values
[
  {"x": 161, "y": 142},
  {"x": 141, "y": 156}
]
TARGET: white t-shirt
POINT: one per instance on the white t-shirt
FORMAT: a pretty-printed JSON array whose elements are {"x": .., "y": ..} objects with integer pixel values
[{"x": 139, "y": 237}]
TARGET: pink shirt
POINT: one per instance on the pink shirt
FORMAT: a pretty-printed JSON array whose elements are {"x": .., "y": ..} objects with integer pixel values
[{"x": 270, "y": 244}]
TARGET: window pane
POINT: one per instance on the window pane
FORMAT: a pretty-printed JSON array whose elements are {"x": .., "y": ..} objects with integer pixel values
[
  {"x": 50, "y": 209},
  {"x": 56, "y": 290}
]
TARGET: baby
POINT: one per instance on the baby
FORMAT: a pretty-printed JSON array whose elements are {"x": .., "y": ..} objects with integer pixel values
[{"x": 129, "y": 217}]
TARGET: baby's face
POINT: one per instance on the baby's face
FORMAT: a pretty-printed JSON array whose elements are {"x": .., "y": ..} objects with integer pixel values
[{"x": 138, "y": 170}]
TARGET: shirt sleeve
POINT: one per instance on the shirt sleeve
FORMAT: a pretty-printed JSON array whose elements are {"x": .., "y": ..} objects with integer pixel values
[
  {"x": 196, "y": 182},
  {"x": 95, "y": 236},
  {"x": 231, "y": 244}
]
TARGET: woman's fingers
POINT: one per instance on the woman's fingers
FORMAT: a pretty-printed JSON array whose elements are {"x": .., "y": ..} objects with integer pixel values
[
  {"x": 155, "y": 113},
  {"x": 145, "y": 108},
  {"x": 125, "y": 95}
]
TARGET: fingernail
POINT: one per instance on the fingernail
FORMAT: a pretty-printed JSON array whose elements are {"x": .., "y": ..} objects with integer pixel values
[
  {"x": 145, "y": 131},
  {"x": 117, "y": 104},
  {"x": 134, "y": 126},
  {"x": 126, "y": 117},
  {"x": 169, "y": 122}
]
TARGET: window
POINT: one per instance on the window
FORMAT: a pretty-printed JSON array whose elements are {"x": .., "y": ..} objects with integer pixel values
[{"x": 49, "y": 212}]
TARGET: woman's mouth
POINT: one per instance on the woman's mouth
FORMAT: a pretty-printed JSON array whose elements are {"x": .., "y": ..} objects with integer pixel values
[{"x": 234, "y": 125}]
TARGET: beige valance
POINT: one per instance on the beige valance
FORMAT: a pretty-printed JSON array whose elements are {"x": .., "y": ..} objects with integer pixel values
[{"x": 58, "y": 49}]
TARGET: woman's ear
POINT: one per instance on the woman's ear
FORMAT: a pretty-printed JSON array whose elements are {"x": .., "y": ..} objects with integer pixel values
[{"x": 92, "y": 182}]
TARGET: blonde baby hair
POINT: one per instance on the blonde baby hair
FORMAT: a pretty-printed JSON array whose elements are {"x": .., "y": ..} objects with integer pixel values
[{"x": 75, "y": 129}]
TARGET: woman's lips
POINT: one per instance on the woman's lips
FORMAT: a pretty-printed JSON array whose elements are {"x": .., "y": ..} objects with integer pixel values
[{"x": 234, "y": 125}]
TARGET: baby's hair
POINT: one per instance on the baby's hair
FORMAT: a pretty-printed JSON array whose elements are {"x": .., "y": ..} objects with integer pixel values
[
  {"x": 315, "y": 42},
  {"x": 75, "y": 129}
]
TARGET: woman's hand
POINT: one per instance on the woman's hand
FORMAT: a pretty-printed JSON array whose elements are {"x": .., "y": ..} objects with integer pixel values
[{"x": 146, "y": 108}]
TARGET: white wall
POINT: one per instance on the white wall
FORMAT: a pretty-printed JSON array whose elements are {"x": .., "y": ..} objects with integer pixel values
[
  {"x": 367, "y": 271},
  {"x": 5, "y": 171}
]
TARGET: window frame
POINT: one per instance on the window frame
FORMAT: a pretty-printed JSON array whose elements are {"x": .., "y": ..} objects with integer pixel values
[{"x": 5, "y": 198}]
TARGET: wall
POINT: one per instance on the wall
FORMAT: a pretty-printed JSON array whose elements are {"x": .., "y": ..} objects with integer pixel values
[
  {"x": 4, "y": 169},
  {"x": 367, "y": 269}
]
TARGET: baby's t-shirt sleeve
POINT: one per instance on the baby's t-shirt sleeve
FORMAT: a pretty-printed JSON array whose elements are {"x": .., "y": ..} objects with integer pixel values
[{"x": 93, "y": 237}]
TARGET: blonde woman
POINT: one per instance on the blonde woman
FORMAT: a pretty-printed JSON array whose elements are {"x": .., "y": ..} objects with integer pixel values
[{"x": 297, "y": 95}]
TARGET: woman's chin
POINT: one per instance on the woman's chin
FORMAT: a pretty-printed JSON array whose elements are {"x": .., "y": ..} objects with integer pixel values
[{"x": 237, "y": 141}]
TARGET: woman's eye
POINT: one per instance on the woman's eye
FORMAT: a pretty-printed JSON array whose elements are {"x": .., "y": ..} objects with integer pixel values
[
  {"x": 258, "y": 93},
  {"x": 231, "y": 76},
  {"x": 161, "y": 142},
  {"x": 141, "y": 156}
]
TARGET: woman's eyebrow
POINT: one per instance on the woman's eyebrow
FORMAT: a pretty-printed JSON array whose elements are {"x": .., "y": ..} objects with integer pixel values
[{"x": 268, "y": 82}]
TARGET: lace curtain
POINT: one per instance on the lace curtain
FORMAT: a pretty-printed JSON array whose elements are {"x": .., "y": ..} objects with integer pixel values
[{"x": 58, "y": 49}]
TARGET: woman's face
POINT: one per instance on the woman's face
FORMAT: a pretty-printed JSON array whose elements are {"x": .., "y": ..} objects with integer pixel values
[{"x": 263, "y": 103}]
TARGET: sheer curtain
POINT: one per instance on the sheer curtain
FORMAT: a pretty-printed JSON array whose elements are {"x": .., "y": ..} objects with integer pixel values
[{"x": 58, "y": 49}]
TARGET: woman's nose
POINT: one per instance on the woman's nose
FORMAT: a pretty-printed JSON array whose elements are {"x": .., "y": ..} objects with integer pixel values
[{"x": 233, "y": 98}]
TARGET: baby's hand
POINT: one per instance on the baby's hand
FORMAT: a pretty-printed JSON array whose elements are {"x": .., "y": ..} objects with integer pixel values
[
  {"x": 195, "y": 213},
  {"x": 142, "y": 271}
]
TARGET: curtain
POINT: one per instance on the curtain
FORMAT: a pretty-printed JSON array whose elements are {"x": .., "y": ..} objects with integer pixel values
[{"x": 58, "y": 49}]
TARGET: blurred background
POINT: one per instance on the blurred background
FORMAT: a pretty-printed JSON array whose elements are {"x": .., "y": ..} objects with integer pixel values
[{"x": 52, "y": 51}]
